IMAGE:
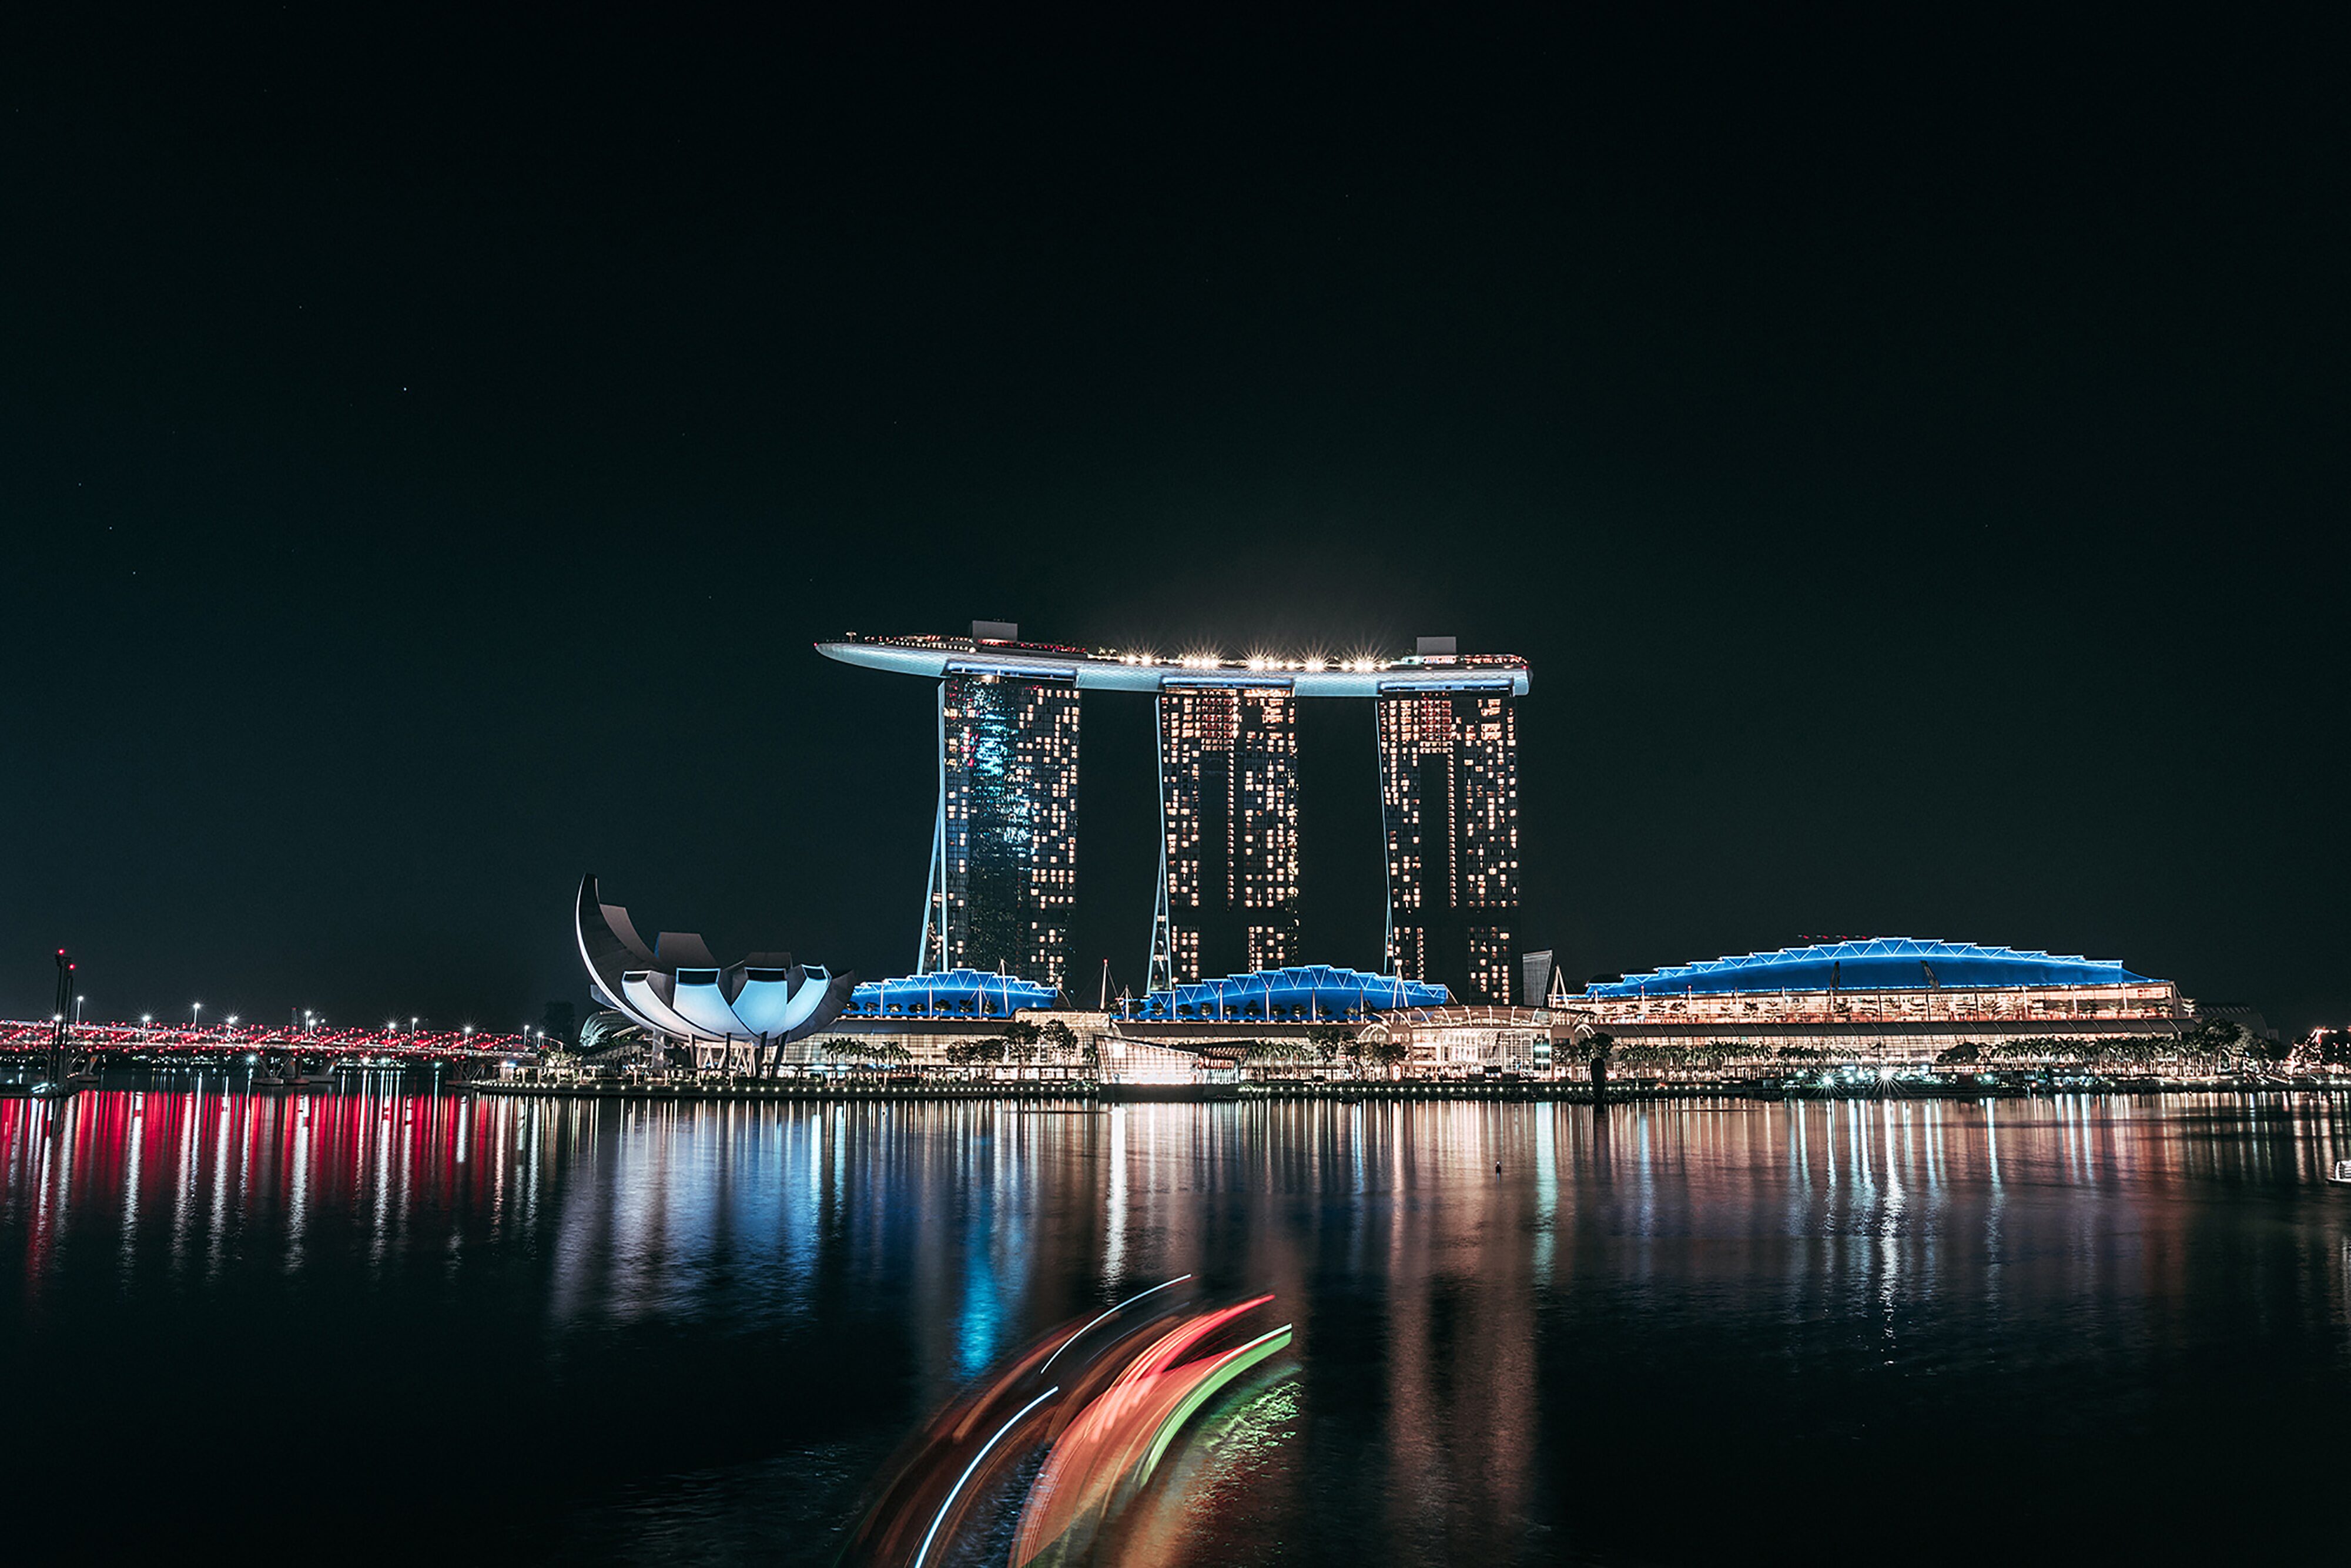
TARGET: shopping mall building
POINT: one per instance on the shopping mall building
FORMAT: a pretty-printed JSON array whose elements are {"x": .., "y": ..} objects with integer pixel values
[{"x": 1888, "y": 998}]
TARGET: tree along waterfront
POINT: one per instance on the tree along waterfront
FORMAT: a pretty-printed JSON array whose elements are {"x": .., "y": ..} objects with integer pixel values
[
  {"x": 2207, "y": 1051},
  {"x": 2216, "y": 1053}
]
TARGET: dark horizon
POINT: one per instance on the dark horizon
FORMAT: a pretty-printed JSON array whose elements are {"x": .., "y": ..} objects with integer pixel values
[{"x": 1907, "y": 450}]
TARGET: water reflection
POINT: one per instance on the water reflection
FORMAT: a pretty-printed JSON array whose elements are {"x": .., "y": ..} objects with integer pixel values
[{"x": 1480, "y": 1348}]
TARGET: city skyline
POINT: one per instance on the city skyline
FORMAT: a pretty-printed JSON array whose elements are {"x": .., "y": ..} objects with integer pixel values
[
  {"x": 399, "y": 999},
  {"x": 1921, "y": 495},
  {"x": 1027, "y": 543}
]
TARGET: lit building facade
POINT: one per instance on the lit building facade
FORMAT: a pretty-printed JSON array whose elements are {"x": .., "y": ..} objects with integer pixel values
[
  {"x": 1449, "y": 805},
  {"x": 1004, "y": 861},
  {"x": 1004, "y": 864},
  {"x": 1447, "y": 1041},
  {"x": 1891, "y": 998},
  {"x": 1228, "y": 831}
]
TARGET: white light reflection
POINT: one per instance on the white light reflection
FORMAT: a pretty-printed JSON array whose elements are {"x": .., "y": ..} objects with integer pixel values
[
  {"x": 1114, "y": 1201},
  {"x": 218, "y": 1230},
  {"x": 1546, "y": 1192},
  {"x": 297, "y": 1200},
  {"x": 133, "y": 1155}
]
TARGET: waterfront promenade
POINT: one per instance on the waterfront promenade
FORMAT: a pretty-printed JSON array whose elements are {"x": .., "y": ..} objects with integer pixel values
[{"x": 1560, "y": 1091}]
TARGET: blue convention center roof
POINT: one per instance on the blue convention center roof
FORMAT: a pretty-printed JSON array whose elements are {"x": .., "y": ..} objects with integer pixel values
[
  {"x": 1877, "y": 964},
  {"x": 948, "y": 993},
  {"x": 1302, "y": 994}
]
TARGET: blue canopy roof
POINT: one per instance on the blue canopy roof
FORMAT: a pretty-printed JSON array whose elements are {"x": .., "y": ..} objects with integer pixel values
[
  {"x": 949, "y": 993},
  {"x": 1877, "y": 964},
  {"x": 1302, "y": 994}
]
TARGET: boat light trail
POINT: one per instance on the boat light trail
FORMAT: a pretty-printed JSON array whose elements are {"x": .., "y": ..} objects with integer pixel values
[
  {"x": 1105, "y": 1318},
  {"x": 956, "y": 1490}
]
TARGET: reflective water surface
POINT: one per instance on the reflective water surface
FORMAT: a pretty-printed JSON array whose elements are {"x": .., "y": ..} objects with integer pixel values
[{"x": 370, "y": 1324}]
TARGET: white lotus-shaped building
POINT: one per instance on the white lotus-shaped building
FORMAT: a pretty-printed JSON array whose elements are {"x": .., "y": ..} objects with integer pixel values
[{"x": 734, "y": 1014}]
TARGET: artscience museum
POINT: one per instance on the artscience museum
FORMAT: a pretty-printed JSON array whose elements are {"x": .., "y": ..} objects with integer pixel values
[{"x": 739, "y": 1016}]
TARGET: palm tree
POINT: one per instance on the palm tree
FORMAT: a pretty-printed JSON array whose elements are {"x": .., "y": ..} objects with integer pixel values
[
  {"x": 841, "y": 1050},
  {"x": 1021, "y": 1039},
  {"x": 888, "y": 1053},
  {"x": 1332, "y": 1044},
  {"x": 965, "y": 1052},
  {"x": 1599, "y": 1052},
  {"x": 1263, "y": 1053},
  {"x": 2218, "y": 1041}
]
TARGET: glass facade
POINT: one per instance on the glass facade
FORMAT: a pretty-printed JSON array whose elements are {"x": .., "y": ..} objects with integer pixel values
[
  {"x": 1449, "y": 805},
  {"x": 1004, "y": 873},
  {"x": 1228, "y": 832}
]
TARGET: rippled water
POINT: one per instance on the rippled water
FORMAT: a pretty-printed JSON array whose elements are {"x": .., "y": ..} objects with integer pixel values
[{"x": 373, "y": 1325}]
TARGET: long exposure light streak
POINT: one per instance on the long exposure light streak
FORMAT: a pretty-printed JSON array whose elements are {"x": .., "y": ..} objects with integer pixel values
[
  {"x": 956, "y": 1490},
  {"x": 1105, "y": 1318},
  {"x": 1219, "y": 1376}
]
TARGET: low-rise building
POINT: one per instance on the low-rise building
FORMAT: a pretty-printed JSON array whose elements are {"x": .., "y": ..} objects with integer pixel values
[
  {"x": 1892, "y": 999},
  {"x": 1466, "y": 1042}
]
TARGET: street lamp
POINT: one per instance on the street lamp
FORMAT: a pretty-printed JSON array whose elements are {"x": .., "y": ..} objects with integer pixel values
[
  {"x": 193, "y": 1008},
  {"x": 77, "y": 1002}
]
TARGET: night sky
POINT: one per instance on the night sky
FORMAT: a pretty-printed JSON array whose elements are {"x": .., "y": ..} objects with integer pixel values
[{"x": 1911, "y": 451}]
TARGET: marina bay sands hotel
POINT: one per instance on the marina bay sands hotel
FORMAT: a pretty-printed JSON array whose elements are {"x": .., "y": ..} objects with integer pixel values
[{"x": 1003, "y": 849}]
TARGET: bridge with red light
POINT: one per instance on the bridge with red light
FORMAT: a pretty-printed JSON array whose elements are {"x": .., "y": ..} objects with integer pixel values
[{"x": 214, "y": 1040}]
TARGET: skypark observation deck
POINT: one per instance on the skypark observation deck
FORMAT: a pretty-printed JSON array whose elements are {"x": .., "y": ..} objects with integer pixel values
[{"x": 1131, "y": 670}]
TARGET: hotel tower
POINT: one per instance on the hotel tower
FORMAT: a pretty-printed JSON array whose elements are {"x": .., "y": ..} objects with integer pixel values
[
  {"x": 1004, "y": 853},
  {"x": 1227, "y": 831},
  {"x": 1450, "y": 806},
  {"x": 1004, "y": 847}
]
